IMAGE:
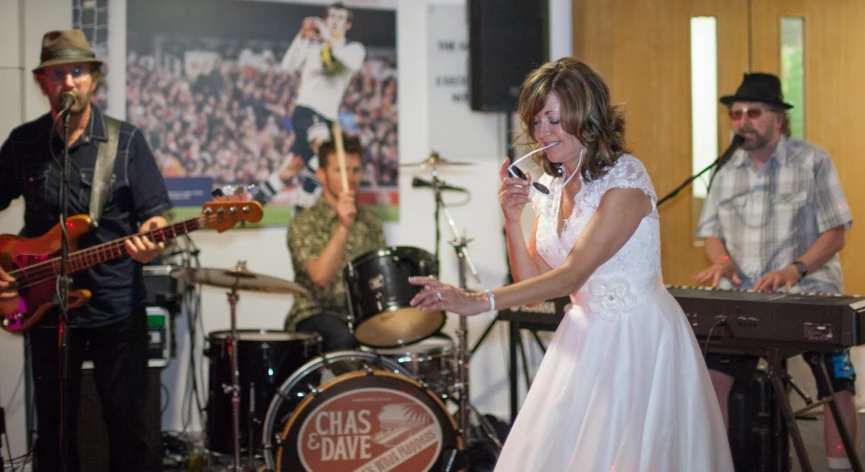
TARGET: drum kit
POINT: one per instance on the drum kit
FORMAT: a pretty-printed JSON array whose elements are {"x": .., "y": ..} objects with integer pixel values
[{"x": 381, "y": 407}]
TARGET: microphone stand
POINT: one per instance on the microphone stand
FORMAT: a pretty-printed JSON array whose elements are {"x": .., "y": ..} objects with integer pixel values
[
  {"x": 459, "y": 244},
  {"x": 737, "y": 142},
  {"x": 63, "y": 283},
  {"x": 438, "y": 185},
  {"x": 688, "y": 182}
]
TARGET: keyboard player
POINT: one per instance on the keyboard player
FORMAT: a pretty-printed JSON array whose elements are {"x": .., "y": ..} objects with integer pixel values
[{"x": 774, "y": 219}]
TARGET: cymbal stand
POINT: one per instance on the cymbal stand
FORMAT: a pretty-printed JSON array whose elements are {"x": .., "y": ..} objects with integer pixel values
[
  {"x": 234, "y": 388},
  {"x": 459, "y": 244}
]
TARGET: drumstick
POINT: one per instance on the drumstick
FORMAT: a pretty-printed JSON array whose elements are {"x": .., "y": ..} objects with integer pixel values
[{"x": 340, "y": 155}]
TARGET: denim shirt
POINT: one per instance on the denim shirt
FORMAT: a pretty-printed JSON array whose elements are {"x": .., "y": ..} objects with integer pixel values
[{"x": 30, "y": 167}]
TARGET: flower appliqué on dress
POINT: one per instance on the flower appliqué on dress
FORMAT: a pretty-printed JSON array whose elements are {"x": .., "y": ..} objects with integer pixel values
[{"x": 608, "y": 297}]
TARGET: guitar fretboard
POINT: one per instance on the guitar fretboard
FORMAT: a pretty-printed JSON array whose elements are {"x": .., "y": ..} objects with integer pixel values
[{"x": 86, "y": 258}]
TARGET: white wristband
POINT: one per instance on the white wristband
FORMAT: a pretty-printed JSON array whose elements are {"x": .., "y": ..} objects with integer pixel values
[{"x": 492, "y": 300}]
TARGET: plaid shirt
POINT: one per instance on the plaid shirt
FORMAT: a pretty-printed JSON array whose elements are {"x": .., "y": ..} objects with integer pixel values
[
  {"x": 308, "y": 235},
  {"x": 768, "y": 218}
]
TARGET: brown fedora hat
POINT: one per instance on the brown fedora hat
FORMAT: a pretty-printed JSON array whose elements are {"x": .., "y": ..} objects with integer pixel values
[{"x": 65, "y": 47}]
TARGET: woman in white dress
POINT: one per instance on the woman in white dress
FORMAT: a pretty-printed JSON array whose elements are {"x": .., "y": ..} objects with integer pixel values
[{"x": 623, "y": 386}]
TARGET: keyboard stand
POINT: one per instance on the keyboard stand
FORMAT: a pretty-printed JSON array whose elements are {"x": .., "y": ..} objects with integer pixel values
[
  {"x": 516, "y": 344},
  {"x": 776, "y": 374}
]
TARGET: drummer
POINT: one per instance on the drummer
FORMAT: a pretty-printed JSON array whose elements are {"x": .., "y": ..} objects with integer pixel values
[{"x": 323, "y": 239}]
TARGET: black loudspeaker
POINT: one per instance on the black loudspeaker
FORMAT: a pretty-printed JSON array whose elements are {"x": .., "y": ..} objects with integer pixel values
[
  {"x": 92, "y": 437},
  {"x": 758, "y": 433},
  {"x": 507, "y": 40}
]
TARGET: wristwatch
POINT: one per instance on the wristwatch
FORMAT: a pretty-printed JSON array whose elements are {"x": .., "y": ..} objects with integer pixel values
[{"x": 801, "y": 267}]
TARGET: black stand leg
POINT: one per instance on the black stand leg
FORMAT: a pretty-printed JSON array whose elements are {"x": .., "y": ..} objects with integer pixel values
[
  {"x": 849, "y": 447},
  {"x": 526, "y": 376},
  {"x": 775, "y": 374},
  {"x": 538, "y": 340},
  {"x": 514, "y": 335}
]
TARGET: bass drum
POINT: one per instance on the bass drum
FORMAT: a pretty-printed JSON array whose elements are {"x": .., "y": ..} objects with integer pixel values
[
  {"x": 264, "y": 359},
  {"x": 360, "y": 411}
]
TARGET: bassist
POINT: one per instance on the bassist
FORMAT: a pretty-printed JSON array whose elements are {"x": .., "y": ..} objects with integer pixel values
[{"x": 113, "y": 322}]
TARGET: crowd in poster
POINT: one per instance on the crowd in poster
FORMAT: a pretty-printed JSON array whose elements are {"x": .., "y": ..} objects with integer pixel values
[{"x": 241, "y": 92}]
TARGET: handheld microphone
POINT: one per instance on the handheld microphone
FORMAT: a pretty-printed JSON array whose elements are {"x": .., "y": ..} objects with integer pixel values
[
  {"x": 67, "y": 101},
  {"x": 418, "y": 182}
]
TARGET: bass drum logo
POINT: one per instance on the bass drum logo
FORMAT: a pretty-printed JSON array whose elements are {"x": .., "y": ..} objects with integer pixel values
[{"x": 362, "y": 424}]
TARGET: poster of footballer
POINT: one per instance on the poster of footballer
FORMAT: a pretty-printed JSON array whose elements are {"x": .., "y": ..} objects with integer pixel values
[{"x": 240, "y": 94}]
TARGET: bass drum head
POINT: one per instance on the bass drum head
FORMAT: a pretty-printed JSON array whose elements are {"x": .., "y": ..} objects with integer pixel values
[{"x": 369, "y": 420}]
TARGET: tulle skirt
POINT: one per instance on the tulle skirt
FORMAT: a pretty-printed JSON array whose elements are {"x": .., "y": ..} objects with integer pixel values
[{"x": 625, "y": 391}]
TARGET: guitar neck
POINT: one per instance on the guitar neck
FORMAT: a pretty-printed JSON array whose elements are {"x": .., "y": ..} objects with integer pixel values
[
  {"x": 220, "y": 215},
  {"x": 86, "y": 258}
]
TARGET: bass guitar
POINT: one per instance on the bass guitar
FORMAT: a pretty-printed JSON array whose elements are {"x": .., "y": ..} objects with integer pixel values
[{"x": 35, "y": 262}]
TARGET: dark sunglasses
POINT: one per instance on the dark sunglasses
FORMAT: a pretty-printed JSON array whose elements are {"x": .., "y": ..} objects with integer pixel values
[{"x": 752, "y": 113}]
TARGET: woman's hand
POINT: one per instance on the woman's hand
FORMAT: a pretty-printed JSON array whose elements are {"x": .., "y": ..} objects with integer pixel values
[
  {"x": 440, "y": 296},
  {"x": 513, "y": 193}
]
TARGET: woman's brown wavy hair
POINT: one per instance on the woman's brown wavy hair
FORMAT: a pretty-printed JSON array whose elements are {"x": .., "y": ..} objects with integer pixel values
[{"x": 585, "y": 109}]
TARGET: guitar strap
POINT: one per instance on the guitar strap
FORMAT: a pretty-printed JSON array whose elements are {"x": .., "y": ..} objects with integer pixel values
[{"x": 103, "y": 172}]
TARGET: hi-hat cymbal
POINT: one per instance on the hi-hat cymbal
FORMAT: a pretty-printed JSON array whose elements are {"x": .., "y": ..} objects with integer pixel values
[
  {"x": 237, "y": 278},
  {"x": 436, "y": 161}
]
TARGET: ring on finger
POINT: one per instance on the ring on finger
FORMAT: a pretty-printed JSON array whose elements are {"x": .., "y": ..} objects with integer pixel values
[{"x": 439, "y": 295}]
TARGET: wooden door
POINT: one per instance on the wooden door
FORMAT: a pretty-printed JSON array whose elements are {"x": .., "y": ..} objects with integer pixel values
[{"x": 642, "y": 48}]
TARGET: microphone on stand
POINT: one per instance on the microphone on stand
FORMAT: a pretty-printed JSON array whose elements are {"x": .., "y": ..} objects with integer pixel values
[
  {"x": 67, "y": 101},
  {"x": 736, "y": 143},
  {"x": 418, "y": 182}
]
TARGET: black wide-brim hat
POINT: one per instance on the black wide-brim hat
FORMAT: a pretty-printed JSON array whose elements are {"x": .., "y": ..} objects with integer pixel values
[
  {"x": 65, "y": 47},
  {"x": 759, "y": 87}
]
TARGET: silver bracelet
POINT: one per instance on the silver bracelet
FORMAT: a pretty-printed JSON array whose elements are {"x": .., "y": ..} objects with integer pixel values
[{"x": 492, "y": 300}]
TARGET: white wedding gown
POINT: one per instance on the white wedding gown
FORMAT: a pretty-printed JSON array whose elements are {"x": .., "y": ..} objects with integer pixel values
[{"x": 623, "y": 386}]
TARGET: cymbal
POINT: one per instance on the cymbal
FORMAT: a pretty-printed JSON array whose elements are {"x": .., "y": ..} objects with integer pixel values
[
  {"x": 237, "y": 278},
  {"x": 435, "y": 161}
]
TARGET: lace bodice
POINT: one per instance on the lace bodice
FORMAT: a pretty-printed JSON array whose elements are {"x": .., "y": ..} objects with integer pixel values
[{"x": 639, "y": 258}]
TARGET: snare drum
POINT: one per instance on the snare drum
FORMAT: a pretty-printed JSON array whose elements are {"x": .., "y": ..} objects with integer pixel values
[
  {"x": 264, "y": 360},
  {"x": 374, "y": 418},
  {"x": 431, "y": 362},
  {"x": 379, "y": 297}
]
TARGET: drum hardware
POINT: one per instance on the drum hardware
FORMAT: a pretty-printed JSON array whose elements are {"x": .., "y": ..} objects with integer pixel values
[
  {"x": 459, "y": 243},
  {"x": 250, "y": 422},
  {"x": 432, "y": 362},
  {"x": 237, "y": 278}
]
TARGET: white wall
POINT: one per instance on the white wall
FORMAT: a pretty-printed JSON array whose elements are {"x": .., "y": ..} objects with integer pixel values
[{"x": 264, "y": 249}]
